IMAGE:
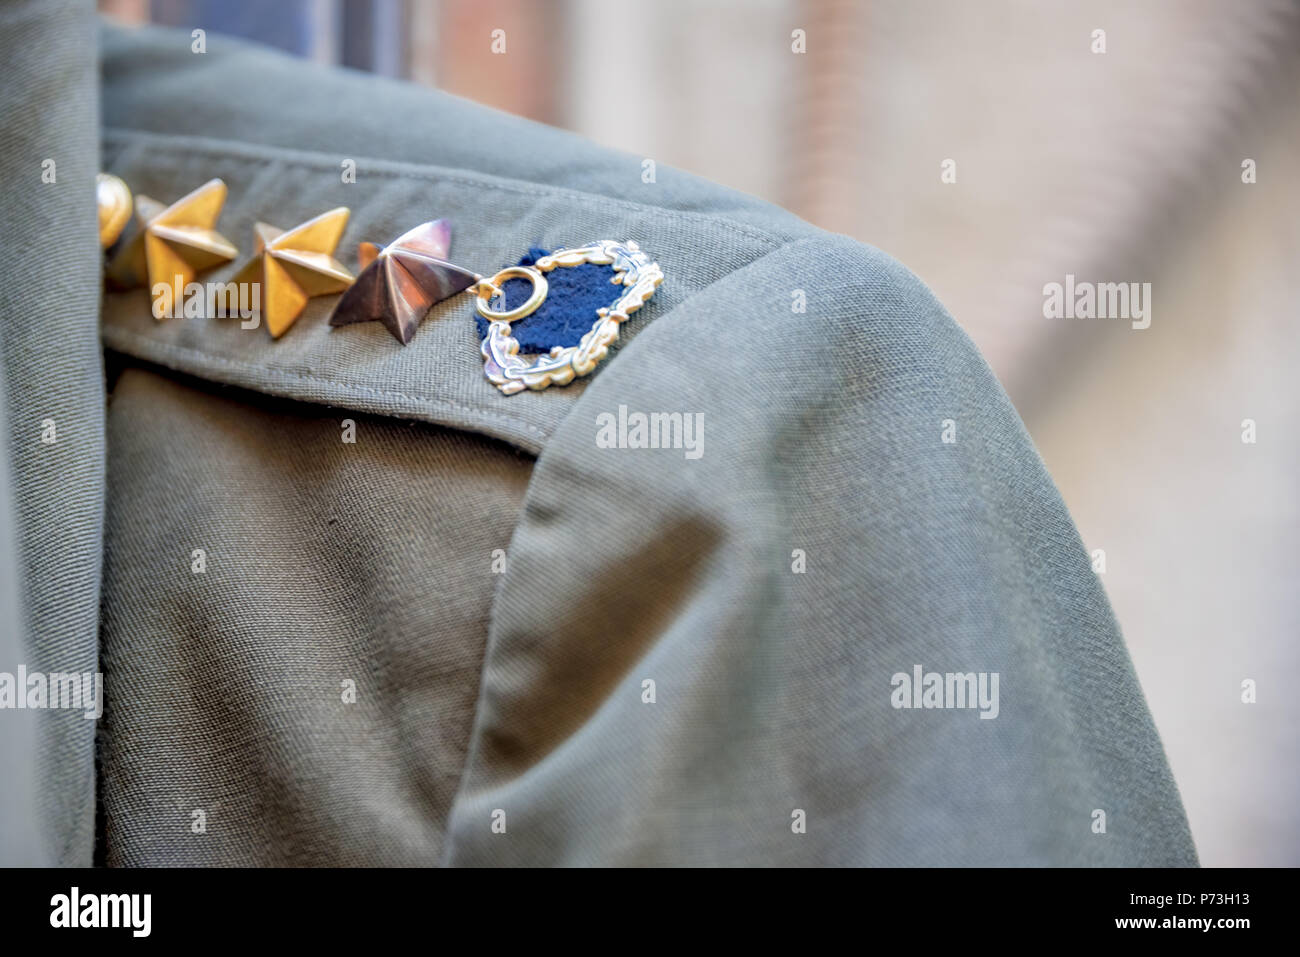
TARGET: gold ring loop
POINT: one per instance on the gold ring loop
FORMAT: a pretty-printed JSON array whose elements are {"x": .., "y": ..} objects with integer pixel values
[{"x": 490, "y": 288}]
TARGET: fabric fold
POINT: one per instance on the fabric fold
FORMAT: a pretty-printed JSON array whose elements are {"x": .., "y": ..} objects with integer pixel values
[{"x": 53, "y": 377}]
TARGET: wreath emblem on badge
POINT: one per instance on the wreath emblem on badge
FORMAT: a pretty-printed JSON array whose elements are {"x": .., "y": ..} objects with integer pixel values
[{"x": 510, "y": 372}]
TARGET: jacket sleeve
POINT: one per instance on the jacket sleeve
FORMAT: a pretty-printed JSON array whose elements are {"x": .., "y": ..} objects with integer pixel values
[{"x": 708, "y": 655}]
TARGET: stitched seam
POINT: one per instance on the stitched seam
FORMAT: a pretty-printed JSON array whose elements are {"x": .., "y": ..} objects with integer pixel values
[
  {"x": 399, "y": 170},
  {"x": 146, "y": 344}
]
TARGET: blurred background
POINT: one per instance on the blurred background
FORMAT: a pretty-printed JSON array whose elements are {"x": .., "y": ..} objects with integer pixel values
[{"x": 1120, "y": 156}]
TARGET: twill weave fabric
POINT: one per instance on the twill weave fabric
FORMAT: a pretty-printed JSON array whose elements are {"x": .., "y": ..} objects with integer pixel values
[{"x": 558, "y": 652}]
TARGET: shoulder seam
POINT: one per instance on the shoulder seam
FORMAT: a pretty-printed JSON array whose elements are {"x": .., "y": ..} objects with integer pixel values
[{"x": 195, "y": 145}]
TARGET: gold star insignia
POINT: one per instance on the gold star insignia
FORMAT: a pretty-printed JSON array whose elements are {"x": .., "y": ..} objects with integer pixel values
[
  {"x": 174, "y": 243},
  {"x": 295, "y": 265}
]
